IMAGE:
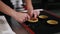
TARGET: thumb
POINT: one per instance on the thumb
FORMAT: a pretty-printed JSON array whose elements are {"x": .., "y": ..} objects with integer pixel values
[{"x": 35, "y": 15}]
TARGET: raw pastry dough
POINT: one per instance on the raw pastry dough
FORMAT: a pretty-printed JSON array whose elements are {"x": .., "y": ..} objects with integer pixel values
[
  {"x": 43, "y": 16},
  {"x": 33, "y": 20},
  {"x": 52, "y": 22}
]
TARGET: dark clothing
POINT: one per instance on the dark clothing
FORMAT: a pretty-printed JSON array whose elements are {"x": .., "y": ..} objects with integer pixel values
[{"x": 7, "y": 2}]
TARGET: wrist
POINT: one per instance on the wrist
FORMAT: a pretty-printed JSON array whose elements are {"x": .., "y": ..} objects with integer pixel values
[{"x": 13, "y": 14}]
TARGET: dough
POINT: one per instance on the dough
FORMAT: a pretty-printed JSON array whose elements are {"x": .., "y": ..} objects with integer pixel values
[
  {"x": 33, "y": 20},
  {"x": 43, "y": 16},
  {"x": 52, "y": 22}
]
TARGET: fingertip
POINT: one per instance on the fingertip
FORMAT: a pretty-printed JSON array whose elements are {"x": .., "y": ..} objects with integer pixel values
[
  {"x": 28, "y": 17},
  {"x": 35, "y": 16}
]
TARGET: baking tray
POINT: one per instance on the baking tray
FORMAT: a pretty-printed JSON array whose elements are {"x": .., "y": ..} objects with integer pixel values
[{"x": 42, "y": 27}]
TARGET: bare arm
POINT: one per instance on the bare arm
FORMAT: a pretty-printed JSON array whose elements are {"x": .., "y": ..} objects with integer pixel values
[
  {"x": 29, "y": 4},
  {"x": 20, "y": 17},
  {"x": 6, "y": 9},
  {"x": 30, "y": 9}
]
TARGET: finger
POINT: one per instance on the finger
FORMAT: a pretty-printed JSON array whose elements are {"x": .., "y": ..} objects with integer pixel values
[
  {"x": 37, "y": 12},
  {"x": 25, "y": 18},
  {"x": 35, "y": 15},
  {"x": 28, "y": 17},
  {"x": 21, "y": 21},
  {"x": 31, "y": 14}
]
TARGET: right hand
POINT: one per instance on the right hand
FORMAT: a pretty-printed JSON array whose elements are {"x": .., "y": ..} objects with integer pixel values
[
  {"x": 21, "y": 17},
  {"x": 34, "y": 12}
]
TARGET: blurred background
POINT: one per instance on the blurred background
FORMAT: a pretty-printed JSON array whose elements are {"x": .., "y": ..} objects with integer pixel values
[{"x": 52, "y": 5}]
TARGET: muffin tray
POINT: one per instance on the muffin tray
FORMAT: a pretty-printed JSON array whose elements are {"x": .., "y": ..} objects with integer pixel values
[{"x": 42, "y": 27}]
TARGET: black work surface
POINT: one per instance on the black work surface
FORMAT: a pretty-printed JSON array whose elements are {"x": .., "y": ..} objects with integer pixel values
[{"x": 42, "y": 27}]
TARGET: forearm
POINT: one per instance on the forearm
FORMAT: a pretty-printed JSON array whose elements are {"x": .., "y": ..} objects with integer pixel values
[
  {"x": 6, "y": 9},
  {"x": 29, "y": 4}
]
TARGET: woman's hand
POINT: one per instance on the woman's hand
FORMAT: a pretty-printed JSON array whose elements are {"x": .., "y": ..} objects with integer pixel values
[
  {"x": 21, "y": 17},
  {"x": 34, "y": 12}
]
